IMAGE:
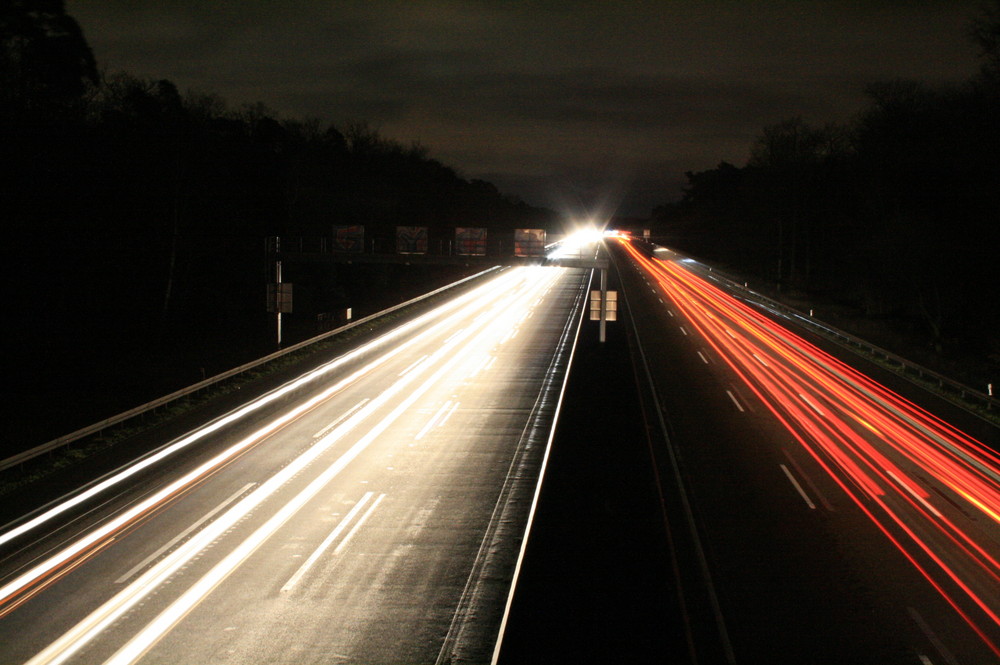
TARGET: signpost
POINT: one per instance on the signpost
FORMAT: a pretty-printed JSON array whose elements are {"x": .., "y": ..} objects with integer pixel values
[
  {"x": 603, "y": 305},
  {"x": 470, "y": 241},
  {"x": 279, "y": 294},
  {"x": 529, "y": 242},
  {"x": 349, "y": 238},
  {"x": 411, "y": 239}
]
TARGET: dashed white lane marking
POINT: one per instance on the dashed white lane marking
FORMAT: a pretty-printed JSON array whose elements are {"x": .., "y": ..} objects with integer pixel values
[
  {"x": 433, "y": 421},
  {"x": 916, "y": 496},
  {"x": 357, "y": 527},
  {"x": 703, "y": 358},
  {"x": 683, "y": 330},
  {"x": 812, "y": 486},
  {"x": 304, "y": 568},
  {"x": 945, "y": 653},
  {"x": 448, "y": 415},
  {"x": 813, "y": 406},
  {"x": 735, "y": 401},
  {"x": 795, "y": 483}
]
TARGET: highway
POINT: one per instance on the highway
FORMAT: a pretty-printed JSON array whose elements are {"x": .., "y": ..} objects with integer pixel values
[
  {"x": 370, "y": 511},
  {"x": 829, "y": 519}
]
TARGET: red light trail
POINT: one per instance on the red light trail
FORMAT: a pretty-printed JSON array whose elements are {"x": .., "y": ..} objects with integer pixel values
[{"x": 883, "y": 451}]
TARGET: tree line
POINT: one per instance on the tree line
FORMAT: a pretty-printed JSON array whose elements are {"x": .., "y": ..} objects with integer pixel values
[
  {"x": 127, "y": 197},
  {"x": 894, "y": 213},
  {"x": 135, "y": 218}
]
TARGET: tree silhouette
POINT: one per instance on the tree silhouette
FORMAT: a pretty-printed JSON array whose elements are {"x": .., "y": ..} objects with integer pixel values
[
  {"x": 45, "y": 61},
  {"x": 894, "y": 213},
  {"x": 985, "y": 33}
]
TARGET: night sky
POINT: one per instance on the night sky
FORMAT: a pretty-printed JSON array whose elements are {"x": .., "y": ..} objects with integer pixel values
[{"x": 578, "y": 106}]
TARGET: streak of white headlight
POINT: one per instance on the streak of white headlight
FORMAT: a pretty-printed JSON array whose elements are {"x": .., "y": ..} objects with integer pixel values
[
  {"x": 230, "y": 418},
  {"x": 485, "y": 293},
  {"x": 70, "y": 643}
]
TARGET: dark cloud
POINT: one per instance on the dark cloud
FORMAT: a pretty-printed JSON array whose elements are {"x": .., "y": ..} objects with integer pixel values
[{"x": 546, "y": 99}]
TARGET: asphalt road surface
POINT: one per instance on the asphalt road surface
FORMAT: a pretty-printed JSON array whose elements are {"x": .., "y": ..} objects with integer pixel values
[
  {"x": 728, "y": 492},
  {"x": 369, "y": 512},
  {"x": 820, "y": 517}
]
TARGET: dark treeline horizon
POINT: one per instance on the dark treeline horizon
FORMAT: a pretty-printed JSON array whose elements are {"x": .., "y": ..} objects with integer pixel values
[
  {"x": 894, "y": 214},
  {"x": 143, "y": 186},
  {"x": 136, "y": 217}
]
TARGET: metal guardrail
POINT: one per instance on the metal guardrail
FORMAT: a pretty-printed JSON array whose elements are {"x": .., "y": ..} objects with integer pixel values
[
  {"x": 966, "y": 394},
  {"x": 84, "y": 432}
]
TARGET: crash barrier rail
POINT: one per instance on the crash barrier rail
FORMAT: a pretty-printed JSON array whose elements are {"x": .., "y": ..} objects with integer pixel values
[
  {"x": 958, "y": 393},
  {"x": 140, "y": 410}
]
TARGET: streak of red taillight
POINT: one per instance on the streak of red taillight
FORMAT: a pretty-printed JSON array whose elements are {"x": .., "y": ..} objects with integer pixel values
[{"x": 821, "y": 418}]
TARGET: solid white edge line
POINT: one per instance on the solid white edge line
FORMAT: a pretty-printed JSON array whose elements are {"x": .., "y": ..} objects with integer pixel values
[
  {"x": 538, "y": 485},
  {"x": 139, "y": 644},
  {"x": 147, "y": 637},
  {"x": 795, "y": 483},
  {"x": 685, "y": 502},
  {"x": 64, "y": 647}
]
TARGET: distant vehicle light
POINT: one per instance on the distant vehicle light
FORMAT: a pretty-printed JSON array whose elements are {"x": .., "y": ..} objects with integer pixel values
[{"x": 575, "y": 241}]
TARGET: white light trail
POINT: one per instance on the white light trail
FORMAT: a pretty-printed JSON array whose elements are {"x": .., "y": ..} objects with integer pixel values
[
  {"x": 236, "y": 415},
  {"x": 145, "y": 639},
  {"x": 70, "y": 643},
  {"x": 183, "y": 534},
  {"x": 46, "y": 568}
]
